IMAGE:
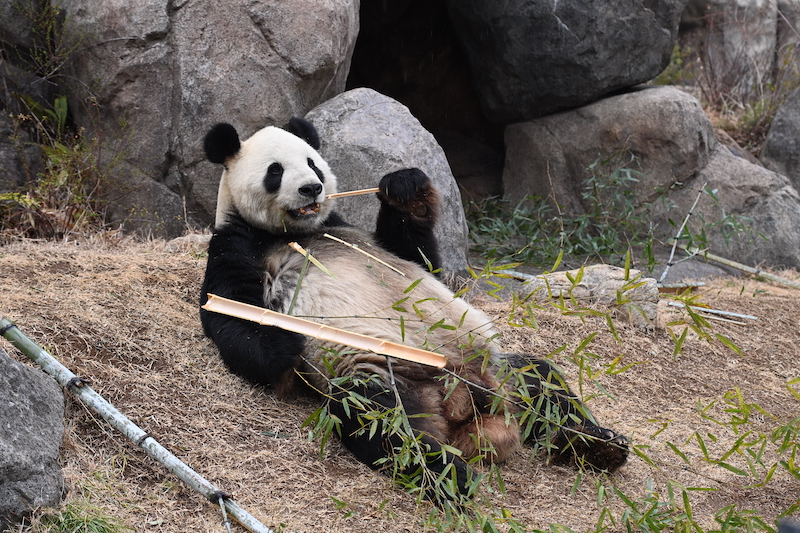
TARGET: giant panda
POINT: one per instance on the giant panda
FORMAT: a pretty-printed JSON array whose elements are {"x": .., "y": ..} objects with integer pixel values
[{"x": 484, "y": 403}]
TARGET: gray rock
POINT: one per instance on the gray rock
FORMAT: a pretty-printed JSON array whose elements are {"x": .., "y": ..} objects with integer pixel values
[
  {"x": 740, "y": 47},
  {"x": 366, "y": 135},
  {"x": 664, "y": 127},
  {"x": 20, "y": 160},
  {"x": 31, "y": 429},
  {"x": 768, "y": 204},
  {"x": 15, "y": 22},
  {"x": 12, "y": 171},
  {"x": 676, "y": 153},
  {"x": 781, "y": 150},
  {"x": 789, "y": 32},
  {"x": 631, "y": 295},
  {"x": 533, "y": 57},
  {"x": 159, "y": 76}
]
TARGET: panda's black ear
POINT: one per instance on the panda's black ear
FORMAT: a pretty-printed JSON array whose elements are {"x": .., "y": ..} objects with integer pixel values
[
  {"x": 305, "y": 130},
  {"x": 221, "y": 142}
]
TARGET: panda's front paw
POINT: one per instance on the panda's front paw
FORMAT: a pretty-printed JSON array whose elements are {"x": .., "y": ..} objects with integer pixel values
[{"x": 410, "y": 191}]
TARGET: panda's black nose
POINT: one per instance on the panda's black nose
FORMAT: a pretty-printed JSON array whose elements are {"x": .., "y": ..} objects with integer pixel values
[{"x": 311, "y": 190}]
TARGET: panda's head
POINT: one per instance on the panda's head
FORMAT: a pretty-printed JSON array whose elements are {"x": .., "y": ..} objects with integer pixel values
[{"x": 275, "y": 180}]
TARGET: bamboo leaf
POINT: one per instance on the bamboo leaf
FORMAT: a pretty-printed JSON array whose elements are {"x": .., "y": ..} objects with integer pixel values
[
  {"x": 731, "y": 468},
  {"x": 643, "y": 456},
  {"x": 677, "y": 452},
  {"x": 584, "y": 343},
  {"x": 412, "y": 286},
  {"x": 727, "y": 342}
]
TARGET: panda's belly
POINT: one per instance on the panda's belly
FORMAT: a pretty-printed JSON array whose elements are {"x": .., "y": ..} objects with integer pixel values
[{"x": 368, "y": 297}]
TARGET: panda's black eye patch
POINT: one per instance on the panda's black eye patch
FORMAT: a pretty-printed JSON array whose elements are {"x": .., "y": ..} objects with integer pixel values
[
  {"x": 272, "y": 181},
  {"x": 317, "y": 171}
]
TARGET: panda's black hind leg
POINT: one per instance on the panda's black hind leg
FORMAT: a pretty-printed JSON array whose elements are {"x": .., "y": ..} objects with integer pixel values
[
  {"x": 591, "y": 447},
  {"x": 565, "y": 425},
  {"x": 407, "y": 217},
  {"x": 373, "y": 448}
]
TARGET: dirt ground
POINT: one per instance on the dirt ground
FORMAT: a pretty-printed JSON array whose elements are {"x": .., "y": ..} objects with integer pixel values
[{"x": 124, "y": 314}]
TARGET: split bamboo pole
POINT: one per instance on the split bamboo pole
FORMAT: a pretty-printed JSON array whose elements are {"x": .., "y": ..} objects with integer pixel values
[
  {"x": 123, "y": 424},
  {"x": 225, "y": 306}
]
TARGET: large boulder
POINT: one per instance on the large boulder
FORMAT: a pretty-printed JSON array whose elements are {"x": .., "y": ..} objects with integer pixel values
[
  {"x": 366, "y": 135},
  {"x": 160, "y": 75},
  {"x": 533, "y": 57},
  {"x": 675, "y": 150},
  {"x": 32, "y": 422},
  {"x": 789, "y": 33},
  {"x": 766, "y": 204},
  {"x": 781, "y": 150},
  {"x": 665, "y": 128},
  {"x": 20, "y": 160}
]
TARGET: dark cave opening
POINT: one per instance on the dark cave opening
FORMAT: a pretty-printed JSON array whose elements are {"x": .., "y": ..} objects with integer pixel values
[{"x": 409, "y": 51}]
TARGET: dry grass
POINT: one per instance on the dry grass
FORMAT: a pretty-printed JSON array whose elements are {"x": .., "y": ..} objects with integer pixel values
[{"x": 124, "y": 314}]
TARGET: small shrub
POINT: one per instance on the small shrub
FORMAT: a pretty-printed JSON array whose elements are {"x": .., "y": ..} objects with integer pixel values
[{"x": 69, "y": 195}]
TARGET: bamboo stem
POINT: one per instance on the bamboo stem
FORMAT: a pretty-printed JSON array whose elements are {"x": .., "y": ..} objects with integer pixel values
[
  {"x": 357, "y": 249},
  {"x": 266, "y": 317},
  {"x": 740, "y": 266},
  {"x": 351, "y": 193},
  {"x": 678, "y": 236},
  {"x": 714, "y": 311},
  {"x": 123, "y": 424}
]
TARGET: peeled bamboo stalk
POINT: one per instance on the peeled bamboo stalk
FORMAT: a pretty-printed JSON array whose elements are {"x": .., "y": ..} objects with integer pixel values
[
  {"x": 266, "y": 317},
  {"x": 351, "y": 193},
  {"x": 123, "y": 424}
]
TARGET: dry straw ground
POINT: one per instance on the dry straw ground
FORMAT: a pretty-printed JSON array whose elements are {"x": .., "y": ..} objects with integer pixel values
[{"x": 124, "y": 315}]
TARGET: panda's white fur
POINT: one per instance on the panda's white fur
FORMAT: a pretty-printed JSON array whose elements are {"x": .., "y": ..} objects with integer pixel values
[
  {"x": 369, "y": 297},
  {"x": 241, "y": 185},
  {"x": 250, "y": 260}
]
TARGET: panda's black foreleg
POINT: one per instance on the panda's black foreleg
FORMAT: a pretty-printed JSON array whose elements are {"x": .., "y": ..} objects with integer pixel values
[
  {"x": 407, "y": 216},
  {"x": 565, "y": 422},
  {"x": 374, "y": 447},
  {"x": 261, "y": 354}
]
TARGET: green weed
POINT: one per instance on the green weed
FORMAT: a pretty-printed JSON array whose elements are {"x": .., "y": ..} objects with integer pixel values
[
  {"x": 69, "y": 193},
  {"x": 77, "y": 517}
]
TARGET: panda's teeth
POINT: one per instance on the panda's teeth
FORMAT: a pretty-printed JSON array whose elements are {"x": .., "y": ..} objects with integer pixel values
[{"x": 309, "y": 209}]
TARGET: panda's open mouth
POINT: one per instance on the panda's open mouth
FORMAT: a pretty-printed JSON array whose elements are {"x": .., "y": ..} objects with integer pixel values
[{"x": 306, "y": 210}]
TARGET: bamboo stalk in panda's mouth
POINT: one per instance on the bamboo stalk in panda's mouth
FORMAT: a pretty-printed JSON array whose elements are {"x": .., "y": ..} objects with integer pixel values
[
  {"x": 266, "y": 317},
  {"x": 351, "y": 193}
]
